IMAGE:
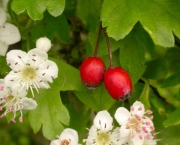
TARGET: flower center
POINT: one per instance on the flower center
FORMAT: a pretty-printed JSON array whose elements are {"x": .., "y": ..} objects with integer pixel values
[
  {"x": 64, "y": 142},
  {"x": 29, "y": 73},
  {"x": 134, "y": 123},
  {"x": 103, "y": 138}
]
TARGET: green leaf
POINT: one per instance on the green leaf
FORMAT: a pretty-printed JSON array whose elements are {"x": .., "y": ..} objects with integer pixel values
[
  {"x": 4, "y": 67},
  {"x": 134, "y": 51},
  {"x": 156, "y": 69},
  {"x": 36, "y": 8},
  {"x": 68, "y": 77},
  {"x": 51, "y": 26},
  {"x": 70, "y": 7},
  {"x": 172, "y": 80},
  {"x": 167, "y": 135},
  {"x": 115, "y": 55},
  {"x": 89, "y": 12},
  {"x": 97, "y": 99},
  {"x": 173, "y": 58},
  {"x": 173, "y": 119},
  {"x": 102, "y": 49},
  {"x": 159, "y": 18},
  {"x": 50, "y": 113},
  {"x": 157, "y": 102},
  {"x": 144, "y": 97},
  {"x": 136, "y": 92}
]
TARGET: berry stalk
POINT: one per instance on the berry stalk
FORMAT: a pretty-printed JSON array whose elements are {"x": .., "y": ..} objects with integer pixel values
[
  {"x": 109, "y": 48},
  {"x": 98, "y": 39}
]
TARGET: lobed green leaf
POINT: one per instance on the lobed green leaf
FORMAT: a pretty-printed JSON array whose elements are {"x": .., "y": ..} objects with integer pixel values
[
  {"x": 36, "y": 8},
  {"x": 159, "y": 18},
  {"x": 134, "y": 51}
]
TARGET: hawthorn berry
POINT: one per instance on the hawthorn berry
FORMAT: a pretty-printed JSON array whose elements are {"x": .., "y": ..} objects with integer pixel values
[
  {"x": 118, "y": 83},
  {"x": 92, "y": 72}
]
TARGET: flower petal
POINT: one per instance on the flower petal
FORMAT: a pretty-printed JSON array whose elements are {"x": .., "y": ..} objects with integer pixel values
[
  {"x": 19, "y": 91},
  {"x": 44, "y": 84},
  {"x": 103, "y": 121},
  {"x": 137, "y": 141},
  {"x": 2, "y": 17},
  {"x": 29, "y": 104},
  {"x": 16, "y": 59},
  {"x": 124, "y": 132},
  {"x": 4, "y": 91},
  {"x": 122, "y": 115},
  {"x": 9, "y": 34},
  {"x": 138, "y": 109},
  {"x": 92, "y": 135},
  {"x": 115, "y": 136},
  {"x": 4, "y": 4},
  {"x": 55, "y": 142},
  {"x": 43, "y": 44},
  {"x": 11, "y": 79},
  {"x": 69, "y": 134},
  {"x": 36, "y": 57},
  {"x": 48, "y": 70},
  {"x": 3, "y": 48}
]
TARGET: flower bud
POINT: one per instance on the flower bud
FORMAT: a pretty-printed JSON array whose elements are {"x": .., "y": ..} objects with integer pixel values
[{"x": 43, "y": 43}]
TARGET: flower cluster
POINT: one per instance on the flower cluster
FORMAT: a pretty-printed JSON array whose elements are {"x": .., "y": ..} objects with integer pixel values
[
  {"x": 31, "y": 70},
  {"x": 9, "y": 33},
  {"x": 135, "y": 129}
]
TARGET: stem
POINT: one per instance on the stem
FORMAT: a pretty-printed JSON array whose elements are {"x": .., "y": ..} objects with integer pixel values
[
  {"x": 109, "y": 48},
  {"x": 98, "y": 39}
]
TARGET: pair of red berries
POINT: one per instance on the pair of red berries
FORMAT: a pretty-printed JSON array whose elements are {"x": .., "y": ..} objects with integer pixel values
[{"x": 116, "y": 80}]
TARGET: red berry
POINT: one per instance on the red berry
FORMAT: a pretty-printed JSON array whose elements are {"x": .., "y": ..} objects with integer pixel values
[
  {"x": 118, "y": 83},
  {"x": 92, "y": 72}
]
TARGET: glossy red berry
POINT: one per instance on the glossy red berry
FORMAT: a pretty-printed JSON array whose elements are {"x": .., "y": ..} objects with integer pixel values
[
  {"x": 118, "y": 83},
  {"x": 92, "y": 72}
]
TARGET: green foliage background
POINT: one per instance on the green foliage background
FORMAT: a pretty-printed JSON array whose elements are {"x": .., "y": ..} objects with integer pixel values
[{"x": 144, "y": 37}]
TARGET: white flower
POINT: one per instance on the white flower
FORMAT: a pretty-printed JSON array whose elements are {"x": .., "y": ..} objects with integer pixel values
[
  {"x": 2, "y": 17},
  {"x": 43, "y": 44},
  {"x": 101, "y": 133},
  {"x": 13, "y": 101},
  {"x": 9, "y": 34},
  {"x": 30, "y": 70},
  {"x": 4, "y": 4},
  {"x": 67, "y": 137},
  {"x": 134, "y": 124},
  {"x": 150, "y": 141}
]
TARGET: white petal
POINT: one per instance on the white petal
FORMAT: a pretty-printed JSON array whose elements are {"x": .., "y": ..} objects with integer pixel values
[
  {"x": 2, "y": 17},
  {"x": 9, "y": 34},
  {"x": 18, "y": 91},
  {"x": 4, "y": 4},
  {"x": 122, "y": 115},
  {"x": 48, "y": 70},
  {"x": 137, "y": 141},
  {"x": 69, "y": 134},
  {"x": 44, "y": 84},
  {"x": 4, "y": 91},
  {"x": 43, "y": 44},
  {"x": 11, "y": 79},
  {"x": 55, "y": 142},
  {"x": 29, "y": 104},
  {"x": 103, "y": 121},
  {"x": 91, "y": 135},
  {"x": 124, "y": 132},
  {"x": 138, "y": 108},
  {"x": 115, "y": 136},
  {"x": 16, "y": 59},
  {"x": 36, "y": 57},
  {"x": 3, "y": 48}
]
